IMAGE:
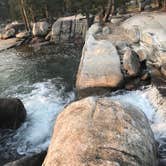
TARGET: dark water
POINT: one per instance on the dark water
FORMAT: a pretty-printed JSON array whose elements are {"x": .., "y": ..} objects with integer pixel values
[{"x": 44, "y": 81}]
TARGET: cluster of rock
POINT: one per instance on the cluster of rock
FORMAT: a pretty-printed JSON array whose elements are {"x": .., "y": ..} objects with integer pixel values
[
  {"x": 107, "y": 64},
  {"x": 147, "y": 31},
  {"x": 65, "y": 29},
  {"x": 100, "y": 130}
]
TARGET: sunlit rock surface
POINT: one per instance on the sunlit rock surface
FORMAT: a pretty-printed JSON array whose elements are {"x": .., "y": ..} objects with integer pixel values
[
  {"x": 150, "y": 30},
  {"x": 101, "y": 131},
  {"x": 100, "y": 63}
]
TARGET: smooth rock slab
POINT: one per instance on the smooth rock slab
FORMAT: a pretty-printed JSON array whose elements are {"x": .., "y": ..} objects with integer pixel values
[
  {"x": 151, "y": 26},
  {"x": 101, "y": 132},
  {"x": 99, "y": 66}
]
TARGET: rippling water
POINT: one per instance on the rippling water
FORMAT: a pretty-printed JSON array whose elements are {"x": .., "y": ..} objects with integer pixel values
[{"x": 44, "y": 81}]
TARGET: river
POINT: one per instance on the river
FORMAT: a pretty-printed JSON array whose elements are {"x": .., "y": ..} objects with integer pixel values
[{"x": 44, "y": 81}]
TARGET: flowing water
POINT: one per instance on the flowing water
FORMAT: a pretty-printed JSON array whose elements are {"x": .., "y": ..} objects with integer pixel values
[
  {"x": 44, "y": 81},
  {"x": 150, "y": 102}
]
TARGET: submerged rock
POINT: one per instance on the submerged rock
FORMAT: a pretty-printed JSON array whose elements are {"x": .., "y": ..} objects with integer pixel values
[
  {"x": 12, "y": 113},
  {"x": 101, "y": 131}
]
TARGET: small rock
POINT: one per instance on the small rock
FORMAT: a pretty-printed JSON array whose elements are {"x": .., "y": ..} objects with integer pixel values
[
  {"x": 22, "y": 35},
  {"x": 117, "y": 20},
  {"x": 106, "y": 30},
  {"x": 9, "y": 33},
  {"x": 145, "y": 76},
  {"x": 131, "y": 63}
]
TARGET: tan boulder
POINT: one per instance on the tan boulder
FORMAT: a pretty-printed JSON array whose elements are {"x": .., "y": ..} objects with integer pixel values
[
  {"x": 101, "y": 132},
  {"x": 100, "y": 64}
]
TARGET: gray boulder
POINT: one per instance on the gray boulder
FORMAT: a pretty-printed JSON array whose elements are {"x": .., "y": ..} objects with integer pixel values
[{"x": 12, "y": 113}]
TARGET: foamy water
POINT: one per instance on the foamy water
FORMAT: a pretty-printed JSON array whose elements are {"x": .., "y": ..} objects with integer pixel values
[
  {"x": 43, "y": 103},
  {"x": 154, "y": 106}
]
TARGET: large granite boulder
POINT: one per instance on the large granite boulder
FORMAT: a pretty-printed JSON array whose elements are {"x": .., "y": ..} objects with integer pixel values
[
  {"x": 12, "y": 113},
  {"x": 101, "y": 132},
  {"x": 40, "y": 28},
  {"x": 150, "y": 29},
  {"x": 100, "y": 64}
]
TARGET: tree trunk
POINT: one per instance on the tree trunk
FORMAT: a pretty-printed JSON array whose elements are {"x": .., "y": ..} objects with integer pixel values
[
  {"x": 108, "y": 10},
  {"x": 25, "y": 17}
]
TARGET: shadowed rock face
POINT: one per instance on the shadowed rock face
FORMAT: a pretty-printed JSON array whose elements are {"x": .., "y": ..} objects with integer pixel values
[
  {"x": 12, "y": 113},
  {"x": 35, "y": 160},
  {"x": 101, "y": 131}
]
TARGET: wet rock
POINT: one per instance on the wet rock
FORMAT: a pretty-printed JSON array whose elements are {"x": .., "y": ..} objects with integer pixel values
[
  {"x": 131, "y": 63},
  {"x": 100, "y": 64},
  {"x": 8, "y": 34},
  {"x": 34, "y": 160},
  {"x": 12, "y": 113},
  {"x": 101, "y": 131},
  {"x": 40, "y": 28}
]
